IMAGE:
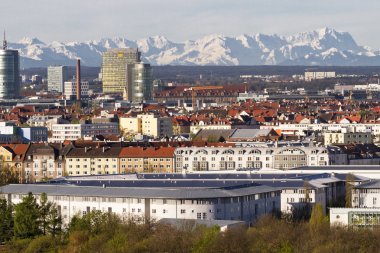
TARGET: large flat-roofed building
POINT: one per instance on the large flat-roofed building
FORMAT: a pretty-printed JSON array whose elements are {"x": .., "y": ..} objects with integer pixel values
[
  {"x": 9, "y": 73},
  {"x": 62, "y": 132},
  {"x": 57, "y": 76},
  {"x": 154, "y": 199}
]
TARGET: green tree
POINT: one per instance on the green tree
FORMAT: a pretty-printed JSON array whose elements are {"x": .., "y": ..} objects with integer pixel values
[
  {"x": 27, "y": 218},
  {"x": 349, "y": 186},
  {"x": 6, "y": 221},
  {"x": 317, "y": 217},
  {"x": 54, "y": 225}
]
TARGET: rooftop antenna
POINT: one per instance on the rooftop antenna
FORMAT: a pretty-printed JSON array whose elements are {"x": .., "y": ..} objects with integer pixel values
[{"x": 4, "y": 42}]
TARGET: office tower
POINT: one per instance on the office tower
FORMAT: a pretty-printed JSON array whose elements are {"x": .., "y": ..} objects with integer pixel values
[
  {"x": 139, "y": 82},
  {"x": 123, "y": 72},
  {"x": 9, "y": 72},
  {"x": 57, "y": 76}
]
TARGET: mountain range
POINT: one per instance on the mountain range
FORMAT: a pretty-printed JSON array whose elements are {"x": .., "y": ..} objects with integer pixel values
[{"x": 323, "y": 47}]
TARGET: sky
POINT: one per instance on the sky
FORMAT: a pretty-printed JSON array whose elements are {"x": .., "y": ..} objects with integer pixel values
[{"x": 180, "y": 20}]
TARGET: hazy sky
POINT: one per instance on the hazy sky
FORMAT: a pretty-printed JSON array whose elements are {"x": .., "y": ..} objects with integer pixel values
[{"x": 179, "y": 20}]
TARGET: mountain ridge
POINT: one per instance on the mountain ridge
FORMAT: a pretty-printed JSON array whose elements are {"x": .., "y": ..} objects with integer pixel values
[{"x": 322, "y": 47}]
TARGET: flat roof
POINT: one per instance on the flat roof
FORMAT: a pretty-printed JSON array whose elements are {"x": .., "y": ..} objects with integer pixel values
[{"x": 136, "y": 192}]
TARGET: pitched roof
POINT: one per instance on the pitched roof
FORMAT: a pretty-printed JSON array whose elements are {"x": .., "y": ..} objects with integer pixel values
[{"x": 139, "y": 152}]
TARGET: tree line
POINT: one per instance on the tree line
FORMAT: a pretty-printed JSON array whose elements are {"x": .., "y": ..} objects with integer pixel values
[{"x": 35, "y": 226}]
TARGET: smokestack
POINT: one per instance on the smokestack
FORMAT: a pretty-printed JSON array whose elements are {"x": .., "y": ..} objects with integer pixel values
[{"x": 78, "y": 81}]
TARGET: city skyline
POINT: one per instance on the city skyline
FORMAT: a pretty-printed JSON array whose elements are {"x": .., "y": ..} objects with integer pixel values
[{"x": 178, "y": 20}]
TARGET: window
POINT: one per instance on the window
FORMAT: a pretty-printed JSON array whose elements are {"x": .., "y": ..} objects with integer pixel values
[
  {"x": 153, "y": 210},
  {"x": 183, "y": 211},
  {"x": 199, "y": 216}
]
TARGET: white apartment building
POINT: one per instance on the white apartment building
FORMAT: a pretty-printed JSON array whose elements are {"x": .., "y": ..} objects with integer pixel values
[
  {"x": 259, "y": 157},
  {"x": 318, "y": 75},
  {"x": 201, "y": 125},
  {"x": 299, "y": 129},
  {"x": 246, "y": 202},
  {"x": 147, "y": 124},
  {"x": 45, "y": 121},
  {"x": 62, "y": 132},
  {"x": 70, "y": 89},
  {"x": 347, "y": 138}
]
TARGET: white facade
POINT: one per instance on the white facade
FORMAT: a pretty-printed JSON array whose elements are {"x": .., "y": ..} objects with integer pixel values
[
  {"x": 70, "y": 89},
  {"x": 319, "y": 75},
  {"x": 231, "y": 158},
  {"x": 298, "y": 129},
  {"x": 248, "y": 206},
  {"x": 147, "y": 124},
  {"x": 62, "y": 132},
  {"x": 355, "y": 217},
  {"x": 347, "y": 138},
  {"x": 195, "y": 128}
]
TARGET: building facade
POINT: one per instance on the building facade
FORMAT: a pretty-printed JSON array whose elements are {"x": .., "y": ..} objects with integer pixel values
[
  {"x": 114, "y": 68},
  {"x": 231, "y": 158},
  {"x": 142, "y": 160},
  {"x": 147, "y": 124},
  {"x": 9, "y": 74},
  {"x": 57, "y": 76},
  {"x": 347, "y": 138},
  {"x": 62, "y": 132},
  {"x": 70, "y": 90},
  {"x": 246, "y": 203}
]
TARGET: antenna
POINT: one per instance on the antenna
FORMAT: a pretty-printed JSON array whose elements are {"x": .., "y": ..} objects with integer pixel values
[{"x": 4, "y": 42}]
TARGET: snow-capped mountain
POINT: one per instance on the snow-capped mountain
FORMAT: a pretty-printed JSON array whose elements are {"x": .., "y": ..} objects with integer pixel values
[{"x": 320, "y": 47}]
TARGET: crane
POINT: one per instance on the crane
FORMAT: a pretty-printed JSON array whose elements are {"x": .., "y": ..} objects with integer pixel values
[{"x": 198, "y": 88}]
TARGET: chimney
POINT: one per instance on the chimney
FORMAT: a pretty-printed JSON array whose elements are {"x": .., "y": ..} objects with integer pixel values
[{"x": 78, "y": 81}]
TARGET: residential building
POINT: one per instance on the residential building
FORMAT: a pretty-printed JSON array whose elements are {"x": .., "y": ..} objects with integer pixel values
[
  {"x": 46, "y": 121},
  {"x": 142, "y": 160},
  {"x": 13, "y": 155},
  {"x": 57, "y": 76},
  {"x": 92, "y": 161},
  {"x": 147, "y": 124},
  {"x": 44, "y": 161},
  {"x": 70, "y": 89},
  {"x": 347, "y": 138},
  {"x": 250, "y": 156}
]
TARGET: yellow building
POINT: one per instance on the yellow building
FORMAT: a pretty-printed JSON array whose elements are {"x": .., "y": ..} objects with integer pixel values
[
  {"x": 92, "y": 161},
  {"x": 147, "y": 124},
  {"x": 13, "y": 156},
  {"x": 138, "y": 159},
  {"x": 114, "y": 69}
]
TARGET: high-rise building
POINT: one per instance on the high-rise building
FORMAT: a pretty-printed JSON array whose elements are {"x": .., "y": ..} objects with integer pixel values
[
  {"x": 140, "y": 82},
  {"x": 123, "y": 72},
  {"x": 9, "y": 72},
  {"x": 57, "y": 76},
  {"x": 114, "y": 68}
]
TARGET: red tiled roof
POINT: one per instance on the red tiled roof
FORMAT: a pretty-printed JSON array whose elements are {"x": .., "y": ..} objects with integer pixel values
[{"x": 161, "y": 152}]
